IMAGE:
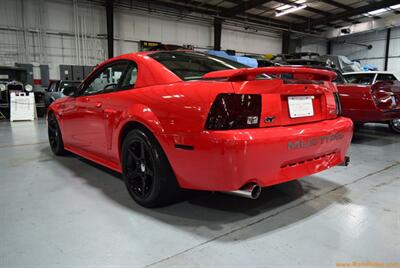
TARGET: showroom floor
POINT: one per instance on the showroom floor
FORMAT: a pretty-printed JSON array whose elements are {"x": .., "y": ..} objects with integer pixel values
[{"x": 66, "y": 211}]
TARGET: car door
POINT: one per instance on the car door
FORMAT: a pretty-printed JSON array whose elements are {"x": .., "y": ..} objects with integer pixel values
[
  {"x": 115, "y": 104},
  {"x": 84, "y": 115}
]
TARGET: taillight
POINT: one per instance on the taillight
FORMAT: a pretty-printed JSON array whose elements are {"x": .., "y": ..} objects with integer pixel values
[
  {"x": 235, "y": 111},
  {"x": 338, "y": 104}
]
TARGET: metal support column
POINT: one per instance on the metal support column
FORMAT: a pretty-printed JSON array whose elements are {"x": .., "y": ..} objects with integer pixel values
[
  {"x": 285, "y": 42},
  {"x": 387, "y": 48},
  {"x": 329, "y": 47},
  {"x": 217, "y": 33},
  {"x": 110, "y": 27}
]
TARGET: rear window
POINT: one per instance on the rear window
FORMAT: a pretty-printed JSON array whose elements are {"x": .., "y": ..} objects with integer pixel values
[
  {"x": 362, "y": 79},
  {"x": 193, "y": 65}
]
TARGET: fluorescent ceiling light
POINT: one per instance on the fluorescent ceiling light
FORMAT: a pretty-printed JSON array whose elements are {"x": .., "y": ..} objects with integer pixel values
[
  {"x": 290, "y": 10},
  {"x": 378, "y": 11},
  {"x": 300, "y": 1},
  {"x": 395, "y": 6},
  {"x": 284, "y": 7}
]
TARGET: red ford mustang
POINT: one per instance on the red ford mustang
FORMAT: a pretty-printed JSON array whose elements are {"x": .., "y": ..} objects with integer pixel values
[{"x": 184, "y": 120}]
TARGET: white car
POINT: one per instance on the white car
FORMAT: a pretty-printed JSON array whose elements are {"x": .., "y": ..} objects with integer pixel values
[{"x": 370, "y": 77}]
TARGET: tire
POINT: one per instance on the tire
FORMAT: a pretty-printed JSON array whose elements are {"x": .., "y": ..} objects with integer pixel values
[
  {"x": 357, "y": 126},
  {"x": 41, "y": 112},
  {"x": 395, "y": 125},
  {"x": 146, "y": 171},
  {"x": 54, "y": 135}
]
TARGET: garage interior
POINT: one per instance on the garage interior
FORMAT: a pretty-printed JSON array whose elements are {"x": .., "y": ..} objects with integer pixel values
[{"x": 71, "y": 212}]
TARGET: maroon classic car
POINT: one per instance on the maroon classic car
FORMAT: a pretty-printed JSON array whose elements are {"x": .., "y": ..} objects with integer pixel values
[{"x": 371, "y": 97}]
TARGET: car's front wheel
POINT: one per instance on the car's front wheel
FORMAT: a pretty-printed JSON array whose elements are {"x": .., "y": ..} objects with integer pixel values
[
  {"x": 54, "y": 134},
  {"x": 147, "y": 173},
  {"x": 395, "y": 125}
]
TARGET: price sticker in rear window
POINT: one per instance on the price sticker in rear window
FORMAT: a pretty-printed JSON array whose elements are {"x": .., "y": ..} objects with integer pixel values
[{"x": 300, "y": 106}]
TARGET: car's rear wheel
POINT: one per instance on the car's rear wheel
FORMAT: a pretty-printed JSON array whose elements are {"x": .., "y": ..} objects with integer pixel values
[
  {"x": 395, "y": 125},
  {"x": 54, "y": 134},
  {"x": 147, "y": 173}
]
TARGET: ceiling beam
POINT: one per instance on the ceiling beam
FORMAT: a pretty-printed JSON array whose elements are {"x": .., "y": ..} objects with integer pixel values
[
  {"x": 243, "y": 7},
  {"x": 220, "y": 11},
  {"x": 188, "y": 6},
  {"x": 337, "y": 4},
  {"x": 350, "y": 13}
]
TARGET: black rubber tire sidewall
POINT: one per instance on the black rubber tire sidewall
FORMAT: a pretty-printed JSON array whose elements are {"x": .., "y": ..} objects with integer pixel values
[
  {"x": 59, "y": 149},
  {"x": 165, "y": 189}
]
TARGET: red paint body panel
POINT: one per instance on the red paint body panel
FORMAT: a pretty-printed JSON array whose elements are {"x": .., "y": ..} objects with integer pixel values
[
  {"x": 176, "y": 111},
  {"x": 359, "y": 102}
]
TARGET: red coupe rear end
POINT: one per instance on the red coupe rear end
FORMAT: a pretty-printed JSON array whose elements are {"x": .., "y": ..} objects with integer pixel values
[{"x": 252, "y": 135}]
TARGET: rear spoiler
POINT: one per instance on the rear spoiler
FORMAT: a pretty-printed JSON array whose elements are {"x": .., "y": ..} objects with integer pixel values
[{"x": 247, "y": 74}]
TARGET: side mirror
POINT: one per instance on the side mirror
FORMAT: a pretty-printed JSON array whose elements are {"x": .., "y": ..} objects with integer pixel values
[{"x": 70, "y": 91}]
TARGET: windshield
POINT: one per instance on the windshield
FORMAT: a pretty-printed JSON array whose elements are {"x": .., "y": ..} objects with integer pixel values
[
  {"x": 193, "y": 65},
  {"x": 362, "y": 79}
]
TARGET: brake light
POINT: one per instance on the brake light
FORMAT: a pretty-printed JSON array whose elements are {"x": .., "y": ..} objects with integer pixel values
[{"x": 234, "y": 111}]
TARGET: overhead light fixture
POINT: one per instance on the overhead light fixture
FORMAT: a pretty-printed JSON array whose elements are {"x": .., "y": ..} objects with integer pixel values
[
  {"x": 290, "y": 10},
  {"x": 283, "y": 7},
  {"x": 378, "y": 11},
  {"x": 395, "y": 6}
]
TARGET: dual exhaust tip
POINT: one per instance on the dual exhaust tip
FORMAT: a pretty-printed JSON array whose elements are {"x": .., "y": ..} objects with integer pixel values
[{"x": 251, "y": 191}]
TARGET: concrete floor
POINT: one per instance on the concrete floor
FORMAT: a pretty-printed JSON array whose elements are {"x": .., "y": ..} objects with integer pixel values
[{"x": 65, "y": 211}]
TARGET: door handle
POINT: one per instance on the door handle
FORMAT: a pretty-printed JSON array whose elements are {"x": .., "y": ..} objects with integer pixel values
[{"x": 99, "y": 105}]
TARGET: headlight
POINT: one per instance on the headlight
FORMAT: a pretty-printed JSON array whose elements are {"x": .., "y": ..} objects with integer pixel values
[{"x": 28, "y": 88}]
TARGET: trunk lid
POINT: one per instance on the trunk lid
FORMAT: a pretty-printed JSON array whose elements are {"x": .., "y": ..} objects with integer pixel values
[{"x": 277, "y": 97}]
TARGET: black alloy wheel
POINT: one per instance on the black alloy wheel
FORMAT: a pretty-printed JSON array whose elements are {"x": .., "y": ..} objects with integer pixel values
[
  {"x": 54, "y": 134},
  {"x": 395, "y": 125},
  {"x": 147, "y": 173}
]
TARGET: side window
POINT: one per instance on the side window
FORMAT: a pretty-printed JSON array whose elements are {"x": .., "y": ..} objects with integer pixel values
[
  {"x": 385, "y": 77},
  {"x": 106, "y": 80},
  {"x": 130, "y": 77},
  {"x": 52, "y": 87}
]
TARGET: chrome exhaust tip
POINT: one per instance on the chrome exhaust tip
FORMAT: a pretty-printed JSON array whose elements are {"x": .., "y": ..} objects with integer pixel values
[{"x": 251, "y": 191}]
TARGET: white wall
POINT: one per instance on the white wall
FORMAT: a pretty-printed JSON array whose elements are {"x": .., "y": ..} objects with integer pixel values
[
  {"x": 311, "y": 44},
  {"x": 242, "y": 41},
  {"x": 43, "y": 32}
]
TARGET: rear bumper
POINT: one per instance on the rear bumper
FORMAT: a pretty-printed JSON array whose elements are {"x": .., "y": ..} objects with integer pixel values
[{"x": 226, "y": 160}]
